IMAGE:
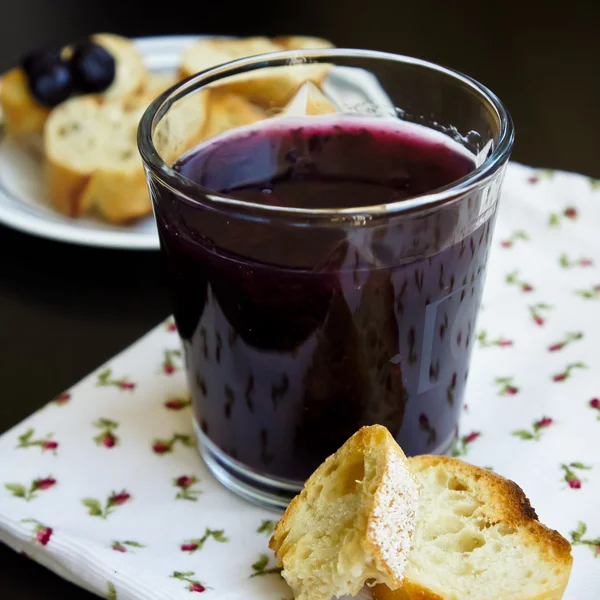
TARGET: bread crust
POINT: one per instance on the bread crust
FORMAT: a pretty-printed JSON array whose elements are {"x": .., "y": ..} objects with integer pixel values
[
  {"x": 506, "y": 502},
  {"x": 377, "y": 508},
  {"x": 227, "y": 111},
  {"x": 22, "y": 113},
  {"x": 65, "y": 186},
  {"x": 269, "y": 88}
]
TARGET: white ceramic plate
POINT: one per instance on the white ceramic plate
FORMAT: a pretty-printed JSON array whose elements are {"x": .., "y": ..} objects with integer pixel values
[{"x": 24, "y": 203}]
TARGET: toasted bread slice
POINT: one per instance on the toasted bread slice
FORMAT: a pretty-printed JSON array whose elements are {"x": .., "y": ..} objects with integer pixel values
[
  {"x": 352, "y": 522},
  {"x": 270, "y": 87},
  {"x": 302, "y": 42},
  {"x": 22, "y": 113},
  {"x": 25, "y": 117},
  {"x": 227, "y": 111},
  {"x": 85, "y": 137},
  {"x": 210, "y": 52},
  {"x": 92, "y": 160},
  {"x": 309, "y": 100},
  {"x": 478, "y": 538},
  {"x": 156, "y": 84},
  {"x": 131, "y": 74}
]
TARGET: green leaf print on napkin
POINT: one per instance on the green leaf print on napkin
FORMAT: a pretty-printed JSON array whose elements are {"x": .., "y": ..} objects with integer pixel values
[
  {"x": 577, "y": 539},
  {"x": 112, "y": 592},
  {"x": 45, "y": 444},
  {"x": 29, "y": 493},
  {"x": 105, "y": 379},
  {"x": 96, "y": 509},
  {"x": 261, "y": 567},
  {"x": 196, "y": 544},
  {"x": 267, "y": 527},
  {"x": 193, "y": 584},
  {"x": 536, "y": 431}
]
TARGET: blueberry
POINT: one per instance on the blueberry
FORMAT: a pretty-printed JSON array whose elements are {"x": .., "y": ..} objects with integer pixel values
[
  {"x": 39, "y": 60},
  {"x": 51, "y": 83},
  {"x": 93, "y": 67}
]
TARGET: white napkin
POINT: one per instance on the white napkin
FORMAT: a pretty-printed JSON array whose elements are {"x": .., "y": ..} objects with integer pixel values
[{"x": 104, "y": 485}]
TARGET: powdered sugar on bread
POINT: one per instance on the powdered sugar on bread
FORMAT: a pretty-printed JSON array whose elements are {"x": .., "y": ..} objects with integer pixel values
[{"x": 353, "y": 521}]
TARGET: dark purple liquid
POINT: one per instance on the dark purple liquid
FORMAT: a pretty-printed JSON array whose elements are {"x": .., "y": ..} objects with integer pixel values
[{"x": 295, "y": 338}]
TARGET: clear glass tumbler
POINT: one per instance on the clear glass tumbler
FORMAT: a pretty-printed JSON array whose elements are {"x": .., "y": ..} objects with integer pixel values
[{"x": 302, "y": 323}]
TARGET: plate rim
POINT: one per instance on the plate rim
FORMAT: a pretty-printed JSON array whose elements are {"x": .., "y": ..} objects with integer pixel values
[{"x": 37, "y": 224}]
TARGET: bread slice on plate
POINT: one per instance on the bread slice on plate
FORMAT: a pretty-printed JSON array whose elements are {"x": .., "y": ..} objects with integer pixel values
[
  {"x": 309, "y": 100},
  {"x": 270, "y": 87},
  {"x": 92, "y": 160},
  {"x": 22, "y": 114},
  {"x": 352, "y": 522},
  {"x": 131, "y": 73},
  {"x": 25, "y": 117},
  {"x": 478, "y": 538},
  {"x": 301, "y": 42},
  {"x": 227, "y": 111}
]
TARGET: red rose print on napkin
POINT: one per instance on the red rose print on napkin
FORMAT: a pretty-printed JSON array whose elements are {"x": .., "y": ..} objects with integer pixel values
[
  {"x": 538, "y": 427},
  {"x": 506, "y": 387},
  {"x": 177, "y": 403},
  {"x": 196, "y": 544},
  {"x": 485, "y": 342},
  {"x": 509, "y": 242},
  {"x": 513, "y": 279},
  {"x": 567, "y": 339},
  {"x": 26, "y": 440},
  {"x": 97, "y": 509},
  {"x": 193, "y": 585},
  {"x": 536, "y": 311},
  {"x": 185, "y": 485},
  {"x": 571, "y": 476},
  {"x": 107, "y": 437},
  {"x": 42, "y": 532},
  {"x": 105, "y": 379},
  {"x": 555, "y": 219},
  {"x": 595, "y": 405},
  {"x": 125, "y": 546},
  {"x": 30, "y": 492},
  {"x": 592, "y": 293},
  {"x": 166, "y": 446},
  {"x": 564, "y": 375},
  {"x": 462, "y": 444},
  {"x": 168, "y": 365}
]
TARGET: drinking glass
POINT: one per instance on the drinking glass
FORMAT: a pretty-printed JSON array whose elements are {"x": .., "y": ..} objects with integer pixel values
[{"x": 300, "y": 325}]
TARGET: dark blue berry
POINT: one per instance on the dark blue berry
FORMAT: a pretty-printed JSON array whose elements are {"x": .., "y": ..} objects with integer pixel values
[
  {"x": 93, "y": 67},
  {"x": 51, "y": 84},
  {"x": 39, "y": 60}
]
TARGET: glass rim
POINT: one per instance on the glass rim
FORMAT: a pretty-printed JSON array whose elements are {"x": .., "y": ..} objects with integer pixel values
[{"x": 187, "y": 189}]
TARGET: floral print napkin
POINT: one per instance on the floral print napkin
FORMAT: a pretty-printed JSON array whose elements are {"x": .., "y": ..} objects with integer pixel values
[{"x": 104, "y": 485}]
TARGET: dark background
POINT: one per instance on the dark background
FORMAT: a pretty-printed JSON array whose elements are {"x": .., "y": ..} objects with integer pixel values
[{"x": 64, "y": 310}]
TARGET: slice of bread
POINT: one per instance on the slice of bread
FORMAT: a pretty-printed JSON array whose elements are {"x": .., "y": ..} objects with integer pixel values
[
  {"x": 352, "y": 522},
  {"x": 270, "y": 87},
  {"x": 478, "y": 538},
  {"x": 301, "y": 42},
  {"x": 84, "y": 138},
  {"x": 22, "y": 113},
  {"x": 309, "y": 100},
  {"x": 131, "y": 73},
  {"x": 92, "y": 160},
  {"x": 226, "y": 111},
  {"x": 24, "y": 116}
]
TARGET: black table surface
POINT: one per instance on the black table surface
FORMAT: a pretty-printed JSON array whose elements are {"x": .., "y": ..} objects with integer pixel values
[{"x": 65, "y": 309}]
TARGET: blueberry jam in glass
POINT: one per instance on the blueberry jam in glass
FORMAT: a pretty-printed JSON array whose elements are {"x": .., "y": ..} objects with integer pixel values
[{"x": 296, "y": 336}]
